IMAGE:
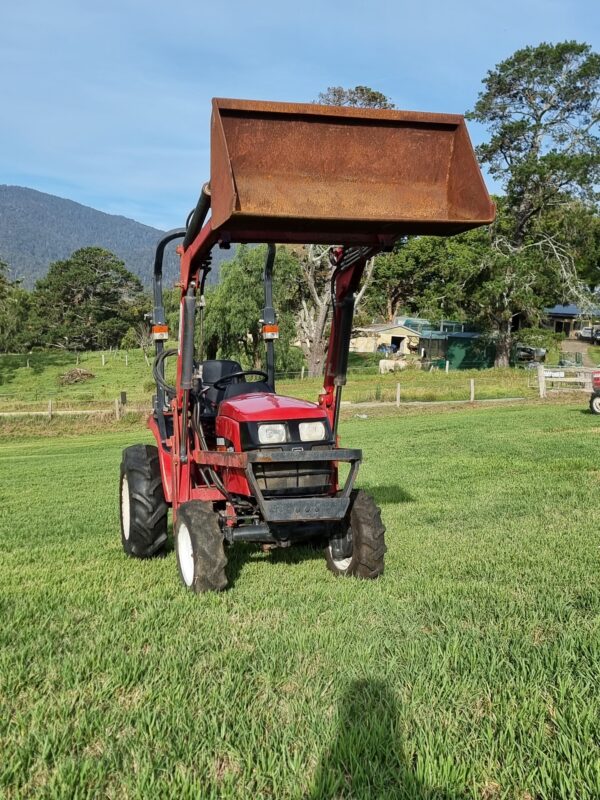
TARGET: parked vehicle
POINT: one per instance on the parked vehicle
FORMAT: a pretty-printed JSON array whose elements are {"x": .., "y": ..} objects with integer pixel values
[
  {"x": 525, "y": 354},
  {"x": 589, "y": 333}
]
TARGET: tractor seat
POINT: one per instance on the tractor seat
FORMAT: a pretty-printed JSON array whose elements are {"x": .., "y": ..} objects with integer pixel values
[{"x": 215, "y": 369}]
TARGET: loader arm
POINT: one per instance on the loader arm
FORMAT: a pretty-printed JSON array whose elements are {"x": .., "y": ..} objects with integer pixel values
[{"x": 349, "y": 266}]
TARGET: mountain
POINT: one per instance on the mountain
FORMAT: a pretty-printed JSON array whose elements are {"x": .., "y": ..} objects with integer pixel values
[{"x": 37, "y": 229}]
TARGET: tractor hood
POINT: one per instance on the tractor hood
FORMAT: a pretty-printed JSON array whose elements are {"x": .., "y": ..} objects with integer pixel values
[{"x": 262, "y": 406}]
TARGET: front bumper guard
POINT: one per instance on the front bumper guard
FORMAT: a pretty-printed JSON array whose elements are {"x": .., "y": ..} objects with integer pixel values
[{"x": 303, "y": 509}]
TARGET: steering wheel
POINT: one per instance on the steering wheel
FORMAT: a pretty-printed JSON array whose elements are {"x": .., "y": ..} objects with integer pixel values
[{"x": 222, "y": 382}]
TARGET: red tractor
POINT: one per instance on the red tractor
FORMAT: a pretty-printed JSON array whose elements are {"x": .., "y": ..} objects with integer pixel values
[
  {"x": 595, "y": 398},
  {"x": 236, "y": 461}
]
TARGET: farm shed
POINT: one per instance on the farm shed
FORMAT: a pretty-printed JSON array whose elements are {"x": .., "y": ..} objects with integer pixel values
[
  {"x": 461, "y": 350},
  {"x": 569, "y": 319},
  {"x": 425, "y": 326},
  {"x": 369, "y": 338}
]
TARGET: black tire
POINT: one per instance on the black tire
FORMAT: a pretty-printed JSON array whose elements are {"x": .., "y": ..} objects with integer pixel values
[
  {"x": 200, "y": 548},
  {"x": 365, "y": 540},
  {"x": 595, "y": 404},
  {"x": 142, "y": 502}
]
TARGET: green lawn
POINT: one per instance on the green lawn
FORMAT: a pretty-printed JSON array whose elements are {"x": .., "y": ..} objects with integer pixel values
[
  {"x": 23, "y": 387},
  {"x": 471, "y": 669},
  {"x": 594, "y": 354}
]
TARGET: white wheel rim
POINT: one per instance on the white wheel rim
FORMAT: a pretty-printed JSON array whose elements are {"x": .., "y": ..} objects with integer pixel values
[
  {"x": 125, "y": 510},
  {"x": 185, "y": 554},
  {"x": 341, "y": 564},
  {"x": 596, "y": 404}
]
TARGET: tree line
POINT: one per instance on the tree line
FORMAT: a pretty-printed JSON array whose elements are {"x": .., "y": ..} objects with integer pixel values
[{"x": 540, "y": 107}]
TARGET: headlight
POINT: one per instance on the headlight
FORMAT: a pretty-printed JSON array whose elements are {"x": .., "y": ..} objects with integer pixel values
[
  {"x": 271, "y": 434},
  {"x": 311, "y": 431}
]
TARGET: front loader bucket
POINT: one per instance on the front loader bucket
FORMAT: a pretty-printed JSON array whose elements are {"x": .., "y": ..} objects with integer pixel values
[{"x": 334, "y": 175}]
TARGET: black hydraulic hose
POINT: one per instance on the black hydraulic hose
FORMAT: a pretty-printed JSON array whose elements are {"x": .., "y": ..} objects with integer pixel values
[
  {"x": 197, "y": 426},
  {"x": 187, "y": 335},
  {"x": 158, "y": 313},
  {"x": 158, "y": 371},
  {"x": 198, "y": 216},
  {"x": 158, "y": 316}
]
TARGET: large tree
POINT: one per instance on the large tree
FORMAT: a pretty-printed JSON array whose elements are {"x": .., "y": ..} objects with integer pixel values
[
  {"x": 87, "y": 301},
  {"x": 423, "y": 275},
  {"x": 313, "y": 318},
  {"x": 541, "y": 107},
  {"x": 232, "y": 327},
  {"x": 15, "y": 305}
]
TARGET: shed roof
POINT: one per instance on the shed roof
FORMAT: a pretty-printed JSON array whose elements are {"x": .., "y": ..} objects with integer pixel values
[
  {"x": 385, "y": 327},
  {"x": 571, "y": 310},
  {"x": 438, "y": 335}
]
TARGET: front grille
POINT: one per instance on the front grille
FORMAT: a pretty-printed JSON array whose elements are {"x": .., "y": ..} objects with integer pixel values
[{"x": 307, "y": 478}]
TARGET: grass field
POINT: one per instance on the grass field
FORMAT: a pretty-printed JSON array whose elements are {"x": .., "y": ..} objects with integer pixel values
[
  {"x": 471, "y": 669},
  {"x": 23, "y": 387}
]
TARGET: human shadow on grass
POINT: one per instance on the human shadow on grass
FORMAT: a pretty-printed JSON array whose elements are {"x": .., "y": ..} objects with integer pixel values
[{"x": 365, "y": 759}]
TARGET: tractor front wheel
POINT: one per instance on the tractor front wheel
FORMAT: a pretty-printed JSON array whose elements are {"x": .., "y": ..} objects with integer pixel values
[
  {"x": 200, "y": 548},
  {"x": 143, "y": 506},
  {"x": 360, "y": 548},
  {"x": 595, "y": 404}
]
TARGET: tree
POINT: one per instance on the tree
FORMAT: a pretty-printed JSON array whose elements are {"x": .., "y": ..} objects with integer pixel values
[
  {"x": 87, "y": 301},
  {"x": 359, "y": 97},
  {"x": 423, "y": 275},
  {"x": 15, "y": 306},
  {"x": 541, "y": 107},
  {"x": 312, "y": 319},
  {"x": 314, "y": 314},
  {"x": 139, "y": 335},
  {"x": 232, "y": 327}
]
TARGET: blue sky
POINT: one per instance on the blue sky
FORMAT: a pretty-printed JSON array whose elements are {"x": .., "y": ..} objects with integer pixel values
[{"x": 108, "y": 103}]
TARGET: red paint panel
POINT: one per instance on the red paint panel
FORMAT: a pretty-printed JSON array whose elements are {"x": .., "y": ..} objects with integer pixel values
[
  {"x": 263, "y": 407},
  {"x": 163, "y": 458},
  {"x": 206, "y": 494},
  {"x": 234, "y": 479}
]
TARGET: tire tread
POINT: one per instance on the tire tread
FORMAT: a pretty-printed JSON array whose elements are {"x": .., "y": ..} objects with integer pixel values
[
  {"x": 147, "y": 506},
  {"x": 368, "y": 535}
]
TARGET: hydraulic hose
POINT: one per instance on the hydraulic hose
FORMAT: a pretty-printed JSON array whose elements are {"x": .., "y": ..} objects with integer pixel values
[{"x": 157, "y": 372}]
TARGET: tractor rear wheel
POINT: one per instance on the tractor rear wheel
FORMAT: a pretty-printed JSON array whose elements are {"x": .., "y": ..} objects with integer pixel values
[
  {"x": 143, "y": 506},
  {"x": 200, "y": 548},
  {"x": 360, "y": 551}
]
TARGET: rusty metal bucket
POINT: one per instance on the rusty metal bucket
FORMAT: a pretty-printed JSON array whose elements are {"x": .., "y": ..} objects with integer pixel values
[{"x": 321, "y": 174}]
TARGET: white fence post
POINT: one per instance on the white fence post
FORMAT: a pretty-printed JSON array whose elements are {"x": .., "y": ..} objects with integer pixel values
[
  {"x": 398, "y": 395},
  {"x": 50, "y": 409},
  {"x": 302, "y": 374},
  {"x": 126, "y": 359},
  {"x": 541, "y": 380},
  {"x": 472, "y": 393},
  {"x": 103, "y": 360},
  {"x": 447, "y": 366},
  {"x": 117, "y": 409}
]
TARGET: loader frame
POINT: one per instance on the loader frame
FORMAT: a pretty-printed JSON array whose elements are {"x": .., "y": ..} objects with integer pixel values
[{"x": 376, "y": 176}]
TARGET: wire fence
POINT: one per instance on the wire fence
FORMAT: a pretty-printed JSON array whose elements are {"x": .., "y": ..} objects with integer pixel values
[{"x": 33, "y": 381}]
